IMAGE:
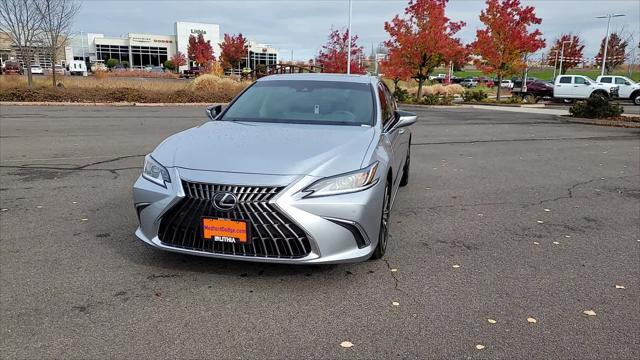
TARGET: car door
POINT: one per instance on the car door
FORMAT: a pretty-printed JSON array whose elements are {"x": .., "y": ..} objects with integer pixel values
[
  {"x": 582, "y": 87},
  {"x": 624, "y": 87},
  {"x": 563, "y": 87},
  {"x": 394, "y": 136}
]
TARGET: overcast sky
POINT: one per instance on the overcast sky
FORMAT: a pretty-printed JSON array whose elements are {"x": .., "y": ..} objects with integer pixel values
[{"x": 303, "y": 25}]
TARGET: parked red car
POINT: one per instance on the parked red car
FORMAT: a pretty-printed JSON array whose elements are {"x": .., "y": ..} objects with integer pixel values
[{"x": 12, "y": 68}]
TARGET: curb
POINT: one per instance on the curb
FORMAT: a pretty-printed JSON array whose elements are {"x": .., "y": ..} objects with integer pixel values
[{"x": 119, "y": 104}]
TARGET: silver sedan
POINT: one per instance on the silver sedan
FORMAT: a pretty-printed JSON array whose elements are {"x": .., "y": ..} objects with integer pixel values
[{"x": 300, "y": 168}]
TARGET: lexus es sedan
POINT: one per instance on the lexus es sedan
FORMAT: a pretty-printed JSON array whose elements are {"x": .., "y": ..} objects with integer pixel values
[{"x": 299, "y": 168}]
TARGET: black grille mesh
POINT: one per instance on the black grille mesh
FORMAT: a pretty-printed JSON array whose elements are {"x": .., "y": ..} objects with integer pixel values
[{"x": 272, "y": 233}]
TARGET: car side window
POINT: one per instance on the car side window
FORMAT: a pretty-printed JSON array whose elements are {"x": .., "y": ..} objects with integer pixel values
[
  {"x": 606, "y": 80},
  {"x": 386, "y": 106},
  {"x": 579, "y": 80},
  {"x": 621, "y": 81},
  {"x": 565, "y": 80}
]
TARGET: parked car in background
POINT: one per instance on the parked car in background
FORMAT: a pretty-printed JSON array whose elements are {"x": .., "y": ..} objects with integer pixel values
[
  {"x": 582, "y": 87},
  {"x": 98, "y": 65},
  {"x": 627, "y": 88},
  {"x": 12, "y": 67},
  {"x": 536, "y": 90},
  {"x": 58, "y": 69},
  {"x": 37, "y": 70},
  {"x": 191, "y": 72},
  {"x": 506, "y": 84},
  {"x": 469, "y": 83},
  {"x": 157, "y": 69},
  {"x": 78, "y": 67}
]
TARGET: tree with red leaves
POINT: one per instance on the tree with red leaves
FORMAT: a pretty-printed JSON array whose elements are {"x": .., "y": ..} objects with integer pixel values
[
  {"x": 424, "y": 38},
  {"x": 199, "y": 50},
  {"x": 616, "y": 52},
  {"x": 506, "y": 38},
  {"x": 394, "y": 68},
  {"x": 232, "y": 50},
  {"x": 178, "y": 59},
  {"x": 573, "y": 48},
  {"x": 333, "y": 56}
]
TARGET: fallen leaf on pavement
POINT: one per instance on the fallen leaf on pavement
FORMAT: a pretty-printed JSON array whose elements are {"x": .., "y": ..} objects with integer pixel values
[
  {"x": 346, "y": 344},
  {"x": 394, "y": 270},
  {"x": 491, "y": 321},
  {"x": 536, "y": 243},
  {"x": 39, "y": 207},
  {"x": 85, "y": 219},
  {"x": 556, "y": 243},
  {"x": 4, "y": 209},
  {"x": 479, "y": 347},
  {"x": 540, "y": 222},
  {"x": 456, "y": 266},
  {"x": 547, "y": 210},
  {"x": 532, "y": 320},
  {"x": 395, "y": 303},
  {"x": 589, "y": 312},
  {"x": 619, "y": 286},
  {"x": 567, "y": 236}
]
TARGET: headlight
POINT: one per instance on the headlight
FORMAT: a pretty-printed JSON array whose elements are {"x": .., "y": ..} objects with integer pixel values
[
  {"x": 345, "y": 183},
  {"x": 155, "y": 172}
]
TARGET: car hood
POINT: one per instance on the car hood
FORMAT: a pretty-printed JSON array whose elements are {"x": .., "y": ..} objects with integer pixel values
[{"x": 267, "y": 148}]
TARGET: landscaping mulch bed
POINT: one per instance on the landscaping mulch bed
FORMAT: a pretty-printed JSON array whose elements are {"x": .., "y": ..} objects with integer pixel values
[
  {"x": 112, "y": 95},
  {"x": 618, "y": 121}
]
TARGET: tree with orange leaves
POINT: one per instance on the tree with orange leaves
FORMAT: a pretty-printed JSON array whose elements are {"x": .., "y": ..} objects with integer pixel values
[
  {"x": 394, "y": 68},
  {"x": 333, "y": 56},
  {"x": 200, "y": 51},
  {"x": 424, "y": 38},
  {"x": 505, "y": 39},
  {"x": 572, "y": 53},
  {"x": 232, "y": 50}
]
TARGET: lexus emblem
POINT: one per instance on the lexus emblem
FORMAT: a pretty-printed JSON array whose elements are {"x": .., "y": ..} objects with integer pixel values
[{"x": 225, "y": 201}]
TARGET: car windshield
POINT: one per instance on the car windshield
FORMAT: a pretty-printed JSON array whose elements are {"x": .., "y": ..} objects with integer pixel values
[{"x": 304, "y": 102}]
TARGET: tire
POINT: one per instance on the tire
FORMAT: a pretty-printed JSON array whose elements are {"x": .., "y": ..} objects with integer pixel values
[
  {"x": 383, "y": 236},
  {"x": 407, "y": 165},
  {"x": 530, "y": 99},
  {"x": 636, "y": 98}
]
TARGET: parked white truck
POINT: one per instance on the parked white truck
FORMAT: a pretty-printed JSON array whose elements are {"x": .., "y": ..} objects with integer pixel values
[
  {"x": 628, "y": 89},
  {"x": 574, "y": 87}
]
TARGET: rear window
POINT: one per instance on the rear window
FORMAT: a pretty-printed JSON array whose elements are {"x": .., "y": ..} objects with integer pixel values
[
  {"x": 605, "y": 80},
  {"x": 305, "y": 102},
  {"x": 565, "y": 80}
]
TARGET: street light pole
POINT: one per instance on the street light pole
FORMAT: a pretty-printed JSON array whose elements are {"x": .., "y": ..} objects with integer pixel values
[
  {"x": 562, "y": 53},
  {"x": 349, "y": 46},
  {"x": 555, "y": 65},
  {"x": 606, "y": 41}
]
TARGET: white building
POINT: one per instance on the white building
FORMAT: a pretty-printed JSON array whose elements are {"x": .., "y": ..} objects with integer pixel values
[{"x": 140, "y": 50}]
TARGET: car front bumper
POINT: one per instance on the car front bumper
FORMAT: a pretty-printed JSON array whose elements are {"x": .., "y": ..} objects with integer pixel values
[{"x": 339, "y": 228}]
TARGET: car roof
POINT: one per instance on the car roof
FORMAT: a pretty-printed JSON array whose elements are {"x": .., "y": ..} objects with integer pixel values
[{"x": 362, "y": 79}]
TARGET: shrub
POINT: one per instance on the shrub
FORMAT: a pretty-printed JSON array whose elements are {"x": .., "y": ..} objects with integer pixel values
[
  {"x": 434, "y": 99},
  {"x": 454, "y": 89},
  {"x": 111, "y": 63},
  {"x": 474, "y": 95},
  {"x": 400, "y": 94},
  {"x": 596, "y": 108},
  {"x": 125, "y": 64},
  {"x": 168, "y": 65}
]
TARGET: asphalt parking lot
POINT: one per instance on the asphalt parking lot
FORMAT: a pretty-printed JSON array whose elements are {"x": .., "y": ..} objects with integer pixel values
[{"x": 517, "y": 218}]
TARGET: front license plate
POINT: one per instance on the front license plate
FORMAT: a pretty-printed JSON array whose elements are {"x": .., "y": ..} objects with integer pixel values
[{"x": 225, "y": 230}]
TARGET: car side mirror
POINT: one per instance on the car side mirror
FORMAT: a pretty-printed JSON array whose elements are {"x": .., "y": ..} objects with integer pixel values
[
  {"x": 627, "y": 83},
  {"x": 404, "y": 118},
  {"x": 213, "y": 111}
]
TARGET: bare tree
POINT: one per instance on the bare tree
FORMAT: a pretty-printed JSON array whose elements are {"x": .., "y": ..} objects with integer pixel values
[
  {"x": 20, "y": 19},
  {"x": 57, "y": 18}
]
